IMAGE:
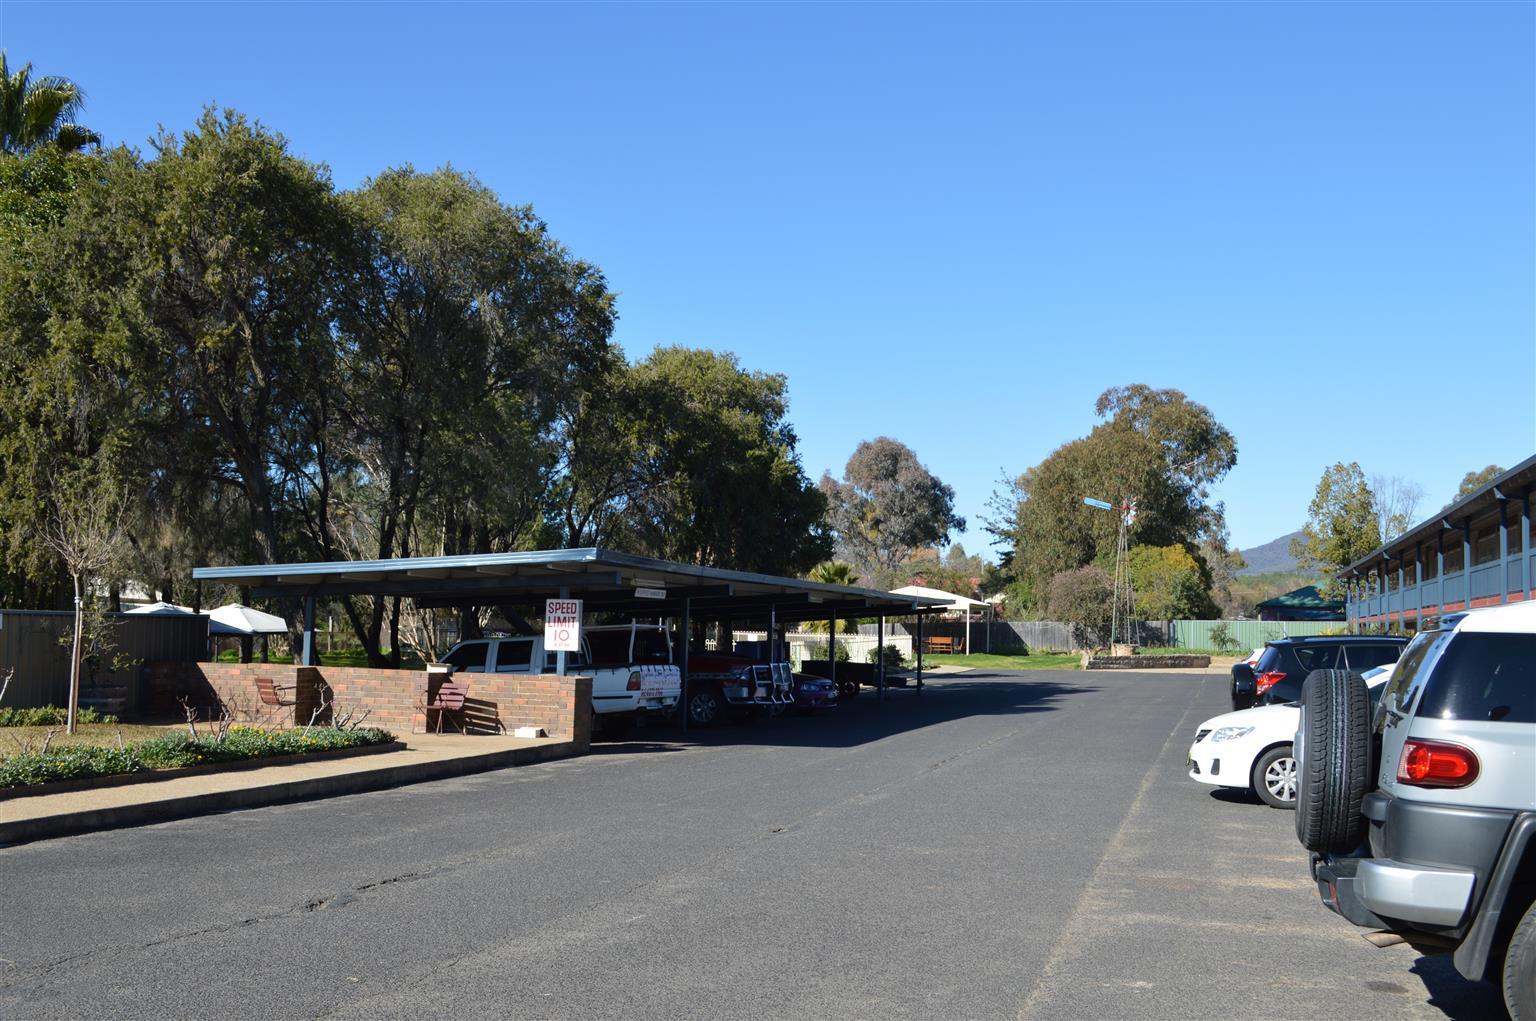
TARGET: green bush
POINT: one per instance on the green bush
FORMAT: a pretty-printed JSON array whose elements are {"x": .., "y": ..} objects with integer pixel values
[
  {"x": 1221, "y": 637},
  {"x": 818, "y": 650},
  {"x": 892, "y": 656},
  {"x": 49, "y": 716},
  {"x": 173, "y": 750},
  {"x": 71, "y": 762}
]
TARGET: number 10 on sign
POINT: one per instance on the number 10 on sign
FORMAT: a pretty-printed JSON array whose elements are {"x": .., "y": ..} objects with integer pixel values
[{"x": 562, "y": 625}]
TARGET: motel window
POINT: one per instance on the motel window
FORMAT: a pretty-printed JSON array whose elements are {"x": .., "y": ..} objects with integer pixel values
[
  {"x": 1410, "y": 572},
  {"x": 1485, "y": 541},
  {"x": 1427, "y": 567},
  {"x": 1513, "y": 530},
  {"x": 1391, "y": 579},
  {"x": 1453, "y": 554}
]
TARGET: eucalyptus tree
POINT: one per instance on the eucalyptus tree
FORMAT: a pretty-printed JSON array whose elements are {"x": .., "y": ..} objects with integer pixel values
[
  {"x": 726, "y": 486},
  {"x": 1157, "y": 446},
  {"x": 469, "y": 338},
  {"x": 887, "y": 506}
]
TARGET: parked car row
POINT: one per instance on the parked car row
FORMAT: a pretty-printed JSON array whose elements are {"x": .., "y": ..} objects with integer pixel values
[
  {"x": 1411, "y": 767},
  {"x": 1251, "y": 747},
  {"x": 635, "y": 674}
]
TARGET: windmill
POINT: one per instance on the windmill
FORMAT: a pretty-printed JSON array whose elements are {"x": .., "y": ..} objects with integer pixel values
[{"x": 1122, "y": 613}]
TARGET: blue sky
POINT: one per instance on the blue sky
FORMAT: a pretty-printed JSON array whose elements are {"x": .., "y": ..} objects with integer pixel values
[{"x": 956, "y": 225}]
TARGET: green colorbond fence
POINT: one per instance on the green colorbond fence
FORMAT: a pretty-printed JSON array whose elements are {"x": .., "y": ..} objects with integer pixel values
[{"x": 1248, "y": 634}]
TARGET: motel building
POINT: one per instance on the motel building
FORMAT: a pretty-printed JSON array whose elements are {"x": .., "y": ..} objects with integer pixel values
[{"x": 1476, "y": 552}]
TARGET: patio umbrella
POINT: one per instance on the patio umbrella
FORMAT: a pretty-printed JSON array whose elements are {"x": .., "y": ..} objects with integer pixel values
[
  {"x": 245, "y": 623},
  {"x": 235, "y": 619},
  {"x": 162, "y": 609}
]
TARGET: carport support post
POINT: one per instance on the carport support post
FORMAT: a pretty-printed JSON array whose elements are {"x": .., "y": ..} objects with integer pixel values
[
  {"x": 880, "y": 653},
  {"x": 919, "y": 653},
  {"x": 682, "y": 659},
  {"x": 308, "y": 656},
  {"x": 832, "y": 648},
  {"x": 565, "y": 593}
]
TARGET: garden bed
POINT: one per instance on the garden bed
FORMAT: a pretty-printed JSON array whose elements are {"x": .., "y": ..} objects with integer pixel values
[
  {"x": 1144, "y": 662},
  {"x": 171, "y": 755}
]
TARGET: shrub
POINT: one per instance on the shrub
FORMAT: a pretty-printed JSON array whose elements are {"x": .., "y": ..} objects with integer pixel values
[
  {"x": 71, "y": 762},
  {"x": 173, "y": 750},
  {"x": 1221, "y": 637},
  {"x": 49, "y": 716},
  {"x": 1082, "y": 598},
  {"x": 818, "y": 650},
  {"x": 892, "y": 655}
]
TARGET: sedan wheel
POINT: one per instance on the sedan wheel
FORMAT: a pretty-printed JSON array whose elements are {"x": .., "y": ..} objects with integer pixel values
[{"x": 1274, "y": 777}]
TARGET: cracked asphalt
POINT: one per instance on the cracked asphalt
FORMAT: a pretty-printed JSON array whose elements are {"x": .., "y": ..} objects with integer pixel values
[{"x": 1021, "y": 845}]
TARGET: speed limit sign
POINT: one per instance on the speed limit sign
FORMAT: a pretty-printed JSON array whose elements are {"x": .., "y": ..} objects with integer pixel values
[{"x": 562, "y": 625}]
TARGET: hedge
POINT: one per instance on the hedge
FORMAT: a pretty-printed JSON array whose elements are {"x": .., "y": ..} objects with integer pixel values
[{"x": 173, "y": 750}]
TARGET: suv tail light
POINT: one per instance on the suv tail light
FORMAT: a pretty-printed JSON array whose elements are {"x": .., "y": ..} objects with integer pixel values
[
  {"x": 1268, "y": 679},
  {"x": 1436, "y": 764}
]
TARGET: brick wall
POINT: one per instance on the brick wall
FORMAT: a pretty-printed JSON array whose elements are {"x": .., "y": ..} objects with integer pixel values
[{"x": 561, "y": 705}]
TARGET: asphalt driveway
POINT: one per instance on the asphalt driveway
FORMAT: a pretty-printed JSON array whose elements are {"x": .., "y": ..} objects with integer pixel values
[{"x": 1009, "y": 845}]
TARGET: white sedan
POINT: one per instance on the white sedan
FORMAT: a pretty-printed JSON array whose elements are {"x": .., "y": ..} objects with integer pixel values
[{"x": 1251, "y": 748}]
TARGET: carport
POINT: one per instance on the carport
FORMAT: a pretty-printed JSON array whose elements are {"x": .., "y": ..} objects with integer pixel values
[{"x": 606, "y": 581}]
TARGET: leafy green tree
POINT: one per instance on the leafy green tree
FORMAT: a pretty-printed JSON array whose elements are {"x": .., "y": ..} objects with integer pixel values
[
  {"x": 1471, "y": 482},
  {"x": 39, "y": 111},
  {"x": 954, "y": 570},
  {"x": 464, "y": 345},
  {"x": 47, "y": 420},
  {"x": 1169, "y": 583},
  {"x": 1155, "y": 445},
  {"x": 1222, "y": 563},
  {"x": 887, "y": 506},
  {"x": 1341, "y": 525},
  {"x": 727, "y": 485}
]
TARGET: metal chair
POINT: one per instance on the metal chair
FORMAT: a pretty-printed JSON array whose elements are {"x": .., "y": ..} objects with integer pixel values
[{"x": 449, "y": 698}]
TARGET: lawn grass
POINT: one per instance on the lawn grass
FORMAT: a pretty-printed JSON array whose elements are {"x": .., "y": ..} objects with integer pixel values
[
  {"x": 99, "y": 735},
  {"x": 1007, "y": 661}
]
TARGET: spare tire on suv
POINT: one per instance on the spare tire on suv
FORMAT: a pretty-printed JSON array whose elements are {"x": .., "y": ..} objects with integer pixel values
[{"x": 1333, "y": 746}]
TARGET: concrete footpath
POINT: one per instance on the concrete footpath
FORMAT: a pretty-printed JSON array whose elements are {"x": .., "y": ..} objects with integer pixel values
[{"x": 424, "y": 757}]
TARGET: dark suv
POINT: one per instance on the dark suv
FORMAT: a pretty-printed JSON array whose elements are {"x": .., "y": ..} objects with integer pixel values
[{"x": 1277, "y": 676}]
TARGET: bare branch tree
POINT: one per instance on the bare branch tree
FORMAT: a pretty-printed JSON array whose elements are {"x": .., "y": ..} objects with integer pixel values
[
  {"x": 1397, "y": 499},
  {"x": 84, "y": 529}
]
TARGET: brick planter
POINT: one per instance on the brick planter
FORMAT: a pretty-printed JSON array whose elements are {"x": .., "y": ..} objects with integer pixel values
[
  {"x": 497, "y": 702},
  {"x": 1144, "y": 662}
]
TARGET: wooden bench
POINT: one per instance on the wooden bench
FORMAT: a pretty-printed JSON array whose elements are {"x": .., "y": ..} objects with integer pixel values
[{"x": 939, "y": 643}]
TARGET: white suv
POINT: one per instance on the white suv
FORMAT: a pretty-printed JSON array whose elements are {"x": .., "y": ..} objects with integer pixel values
[{"x": 1422, "y": 820}]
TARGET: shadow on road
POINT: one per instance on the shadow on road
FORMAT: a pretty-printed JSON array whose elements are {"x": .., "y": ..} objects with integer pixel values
[
  {"x": 866, "y": 718},
  {"x": 1457, "y": 998}
]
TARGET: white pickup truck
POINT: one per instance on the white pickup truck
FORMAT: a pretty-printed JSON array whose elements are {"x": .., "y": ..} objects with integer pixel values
[{"x": 630, "y": 665}]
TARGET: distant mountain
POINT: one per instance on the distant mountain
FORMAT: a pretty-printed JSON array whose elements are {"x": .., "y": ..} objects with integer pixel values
[{"x": 1271, "y": 557}]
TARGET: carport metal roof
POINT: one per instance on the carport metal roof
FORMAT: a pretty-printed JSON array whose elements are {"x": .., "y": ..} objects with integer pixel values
[{"x": 604, "y": 579}]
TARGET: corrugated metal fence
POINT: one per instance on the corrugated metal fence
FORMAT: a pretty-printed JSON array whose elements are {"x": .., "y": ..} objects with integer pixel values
[
  {"x": 36, "y": 645},
  {"x": 1247, "y": 634},
  {"x": 1055, "y": 636}
]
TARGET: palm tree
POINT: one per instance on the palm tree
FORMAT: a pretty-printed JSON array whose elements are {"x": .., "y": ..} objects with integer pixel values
[
  {"x": 33, "y": 113},
  {"x": 833, "y": 572}
]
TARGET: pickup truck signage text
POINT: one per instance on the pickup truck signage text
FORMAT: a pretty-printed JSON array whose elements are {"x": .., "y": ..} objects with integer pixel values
[{"x": 562, "y": 625}]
